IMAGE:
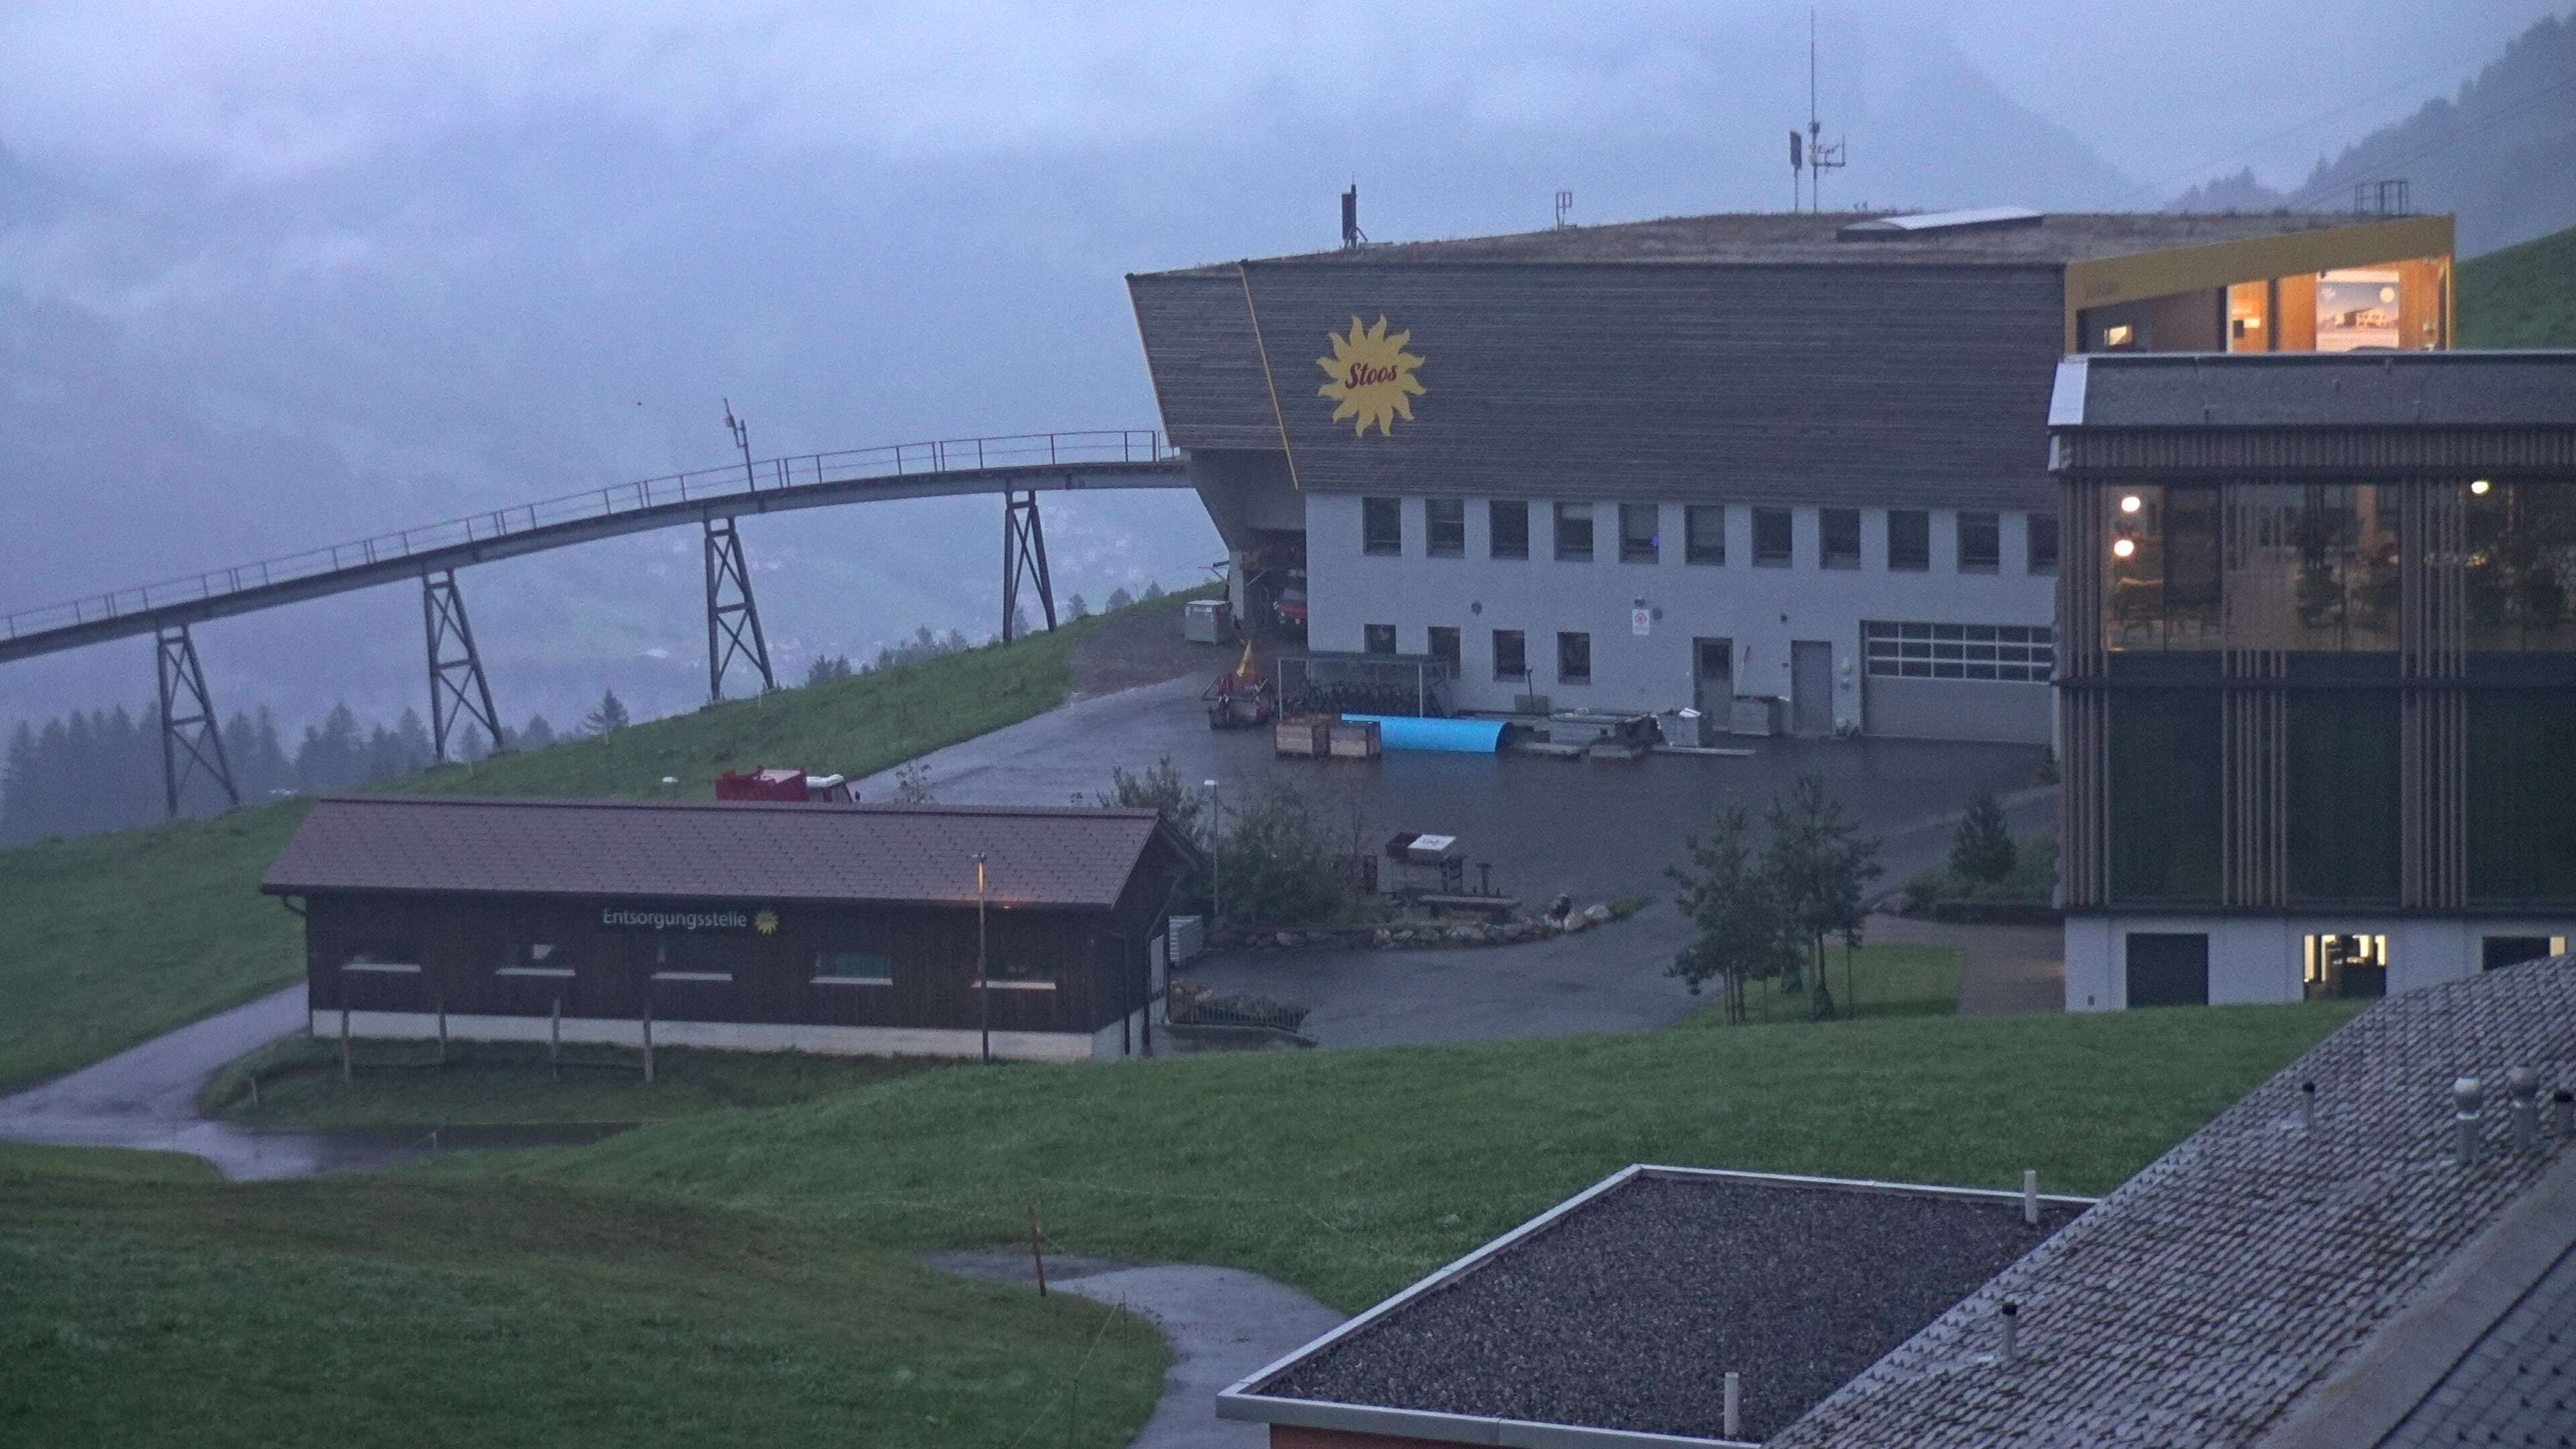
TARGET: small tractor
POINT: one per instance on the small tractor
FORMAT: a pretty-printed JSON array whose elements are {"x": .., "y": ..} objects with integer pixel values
[{"x": 1242, "y": 697}]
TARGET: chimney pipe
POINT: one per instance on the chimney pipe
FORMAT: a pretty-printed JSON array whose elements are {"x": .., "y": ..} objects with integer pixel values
[
  {"x": 1734, "y": 1404},
  {"x": 2524, "y": 1085},
  {"x": 2030, "y": 1196},
  {"x": 2308, "y": 1105},
  {"x": 2012, "y": 1324},
  {"x": 2466, "y": 1098}
]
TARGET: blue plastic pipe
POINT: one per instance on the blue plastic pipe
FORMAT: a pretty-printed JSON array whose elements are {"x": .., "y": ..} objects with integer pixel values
[{"x": 1457, "y": 736}]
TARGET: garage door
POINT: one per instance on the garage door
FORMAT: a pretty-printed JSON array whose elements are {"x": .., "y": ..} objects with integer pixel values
[
  {"x": 2168, "y": 968},
  {"x": 1934, "y": 681}
]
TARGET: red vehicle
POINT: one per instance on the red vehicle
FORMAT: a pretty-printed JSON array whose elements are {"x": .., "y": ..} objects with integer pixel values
[{"x": 772, "y": 783}]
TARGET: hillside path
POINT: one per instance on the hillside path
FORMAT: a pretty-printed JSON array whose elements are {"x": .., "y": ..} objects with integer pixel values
[{"x": 1222, "y": 1324}]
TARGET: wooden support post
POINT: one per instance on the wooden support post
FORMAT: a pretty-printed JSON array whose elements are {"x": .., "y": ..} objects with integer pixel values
[
  {"x": 1035, "y": 1256},
  {"x": 648, "y": 1036},
  {"x": 441, "y": 999},
  {"x": 254, "y": 1091},
  {"x": 554, "y": 1040},
  {"x": 346, "y": 1072}
]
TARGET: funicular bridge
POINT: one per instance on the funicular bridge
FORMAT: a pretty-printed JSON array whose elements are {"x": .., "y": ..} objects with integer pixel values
[{"x": 1017, "y": 467}]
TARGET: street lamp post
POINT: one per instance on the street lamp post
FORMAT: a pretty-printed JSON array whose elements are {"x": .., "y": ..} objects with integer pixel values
[
  {"x": 983, "y": 989},
  {"x": 1216, "y": 872}
]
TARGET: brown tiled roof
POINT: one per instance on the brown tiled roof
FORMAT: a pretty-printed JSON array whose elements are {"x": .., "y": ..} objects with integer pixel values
[{"x": 716, "y": 850}]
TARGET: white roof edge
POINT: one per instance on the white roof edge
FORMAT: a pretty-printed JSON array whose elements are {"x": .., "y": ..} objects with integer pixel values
[
  {"x": 1451, "y": 1428},
  {"x": 2066, "y": 400}
]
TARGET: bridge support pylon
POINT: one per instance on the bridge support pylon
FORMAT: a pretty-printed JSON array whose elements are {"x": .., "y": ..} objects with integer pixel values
[
  {"x": 1023, "y": 557},
  {"x": 456, "y": 683},
  {"x": 733, "y": 615},
  {"x": 188, "y": 723}
]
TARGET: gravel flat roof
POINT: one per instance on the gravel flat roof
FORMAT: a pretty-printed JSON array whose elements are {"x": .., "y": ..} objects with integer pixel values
[{"x": 1628, "y": 1311}]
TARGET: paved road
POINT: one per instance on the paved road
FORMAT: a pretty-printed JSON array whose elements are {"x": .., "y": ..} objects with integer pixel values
[
  {"x": 1610, "y": 978},
  {"x": 1222, "y": 1324}
]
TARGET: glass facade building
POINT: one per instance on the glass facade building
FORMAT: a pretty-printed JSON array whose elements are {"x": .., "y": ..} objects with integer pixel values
[{"x": 2317, "y": 671}]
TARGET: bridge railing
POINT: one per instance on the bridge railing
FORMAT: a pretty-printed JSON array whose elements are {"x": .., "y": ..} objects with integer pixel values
[{"x": 805, "y": 470}]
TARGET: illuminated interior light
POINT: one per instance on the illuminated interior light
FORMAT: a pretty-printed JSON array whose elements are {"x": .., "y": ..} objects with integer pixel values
[
  {"x": 2480, "y": 487},
  {"x": 2123, "y": 548},
  {"x": 2132, "y": 503},
  {"x": 2117, "y": 336}
]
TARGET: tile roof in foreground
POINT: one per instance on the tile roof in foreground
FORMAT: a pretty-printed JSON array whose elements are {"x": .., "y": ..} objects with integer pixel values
[
  {"x": 716, "y": 850},
  {"x": 2269, "y": 1284}
]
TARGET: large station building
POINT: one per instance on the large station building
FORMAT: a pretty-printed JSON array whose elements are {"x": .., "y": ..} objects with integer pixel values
[{"x": 1788, "y": 457}]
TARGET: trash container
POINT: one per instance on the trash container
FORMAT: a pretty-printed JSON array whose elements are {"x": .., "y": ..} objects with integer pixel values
[
  {"x": 1203, "y": 621},
  {"x": 1687, "y": 728}
]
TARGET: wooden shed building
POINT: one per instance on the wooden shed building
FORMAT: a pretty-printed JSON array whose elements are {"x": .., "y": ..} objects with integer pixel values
[{"x": 745, "y": 925}]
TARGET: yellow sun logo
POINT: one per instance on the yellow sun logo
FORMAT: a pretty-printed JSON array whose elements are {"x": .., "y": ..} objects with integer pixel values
[
  {"x": 1372, "y": 377},
  {"x": 766, "y": 923}
]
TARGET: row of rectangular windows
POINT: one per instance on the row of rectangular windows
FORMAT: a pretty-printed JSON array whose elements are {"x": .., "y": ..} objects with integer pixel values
[
  {"x": 1908, "y": 650},
  {"x": 1838, "y": 535},
  {"x": 1959, "y": 651}
]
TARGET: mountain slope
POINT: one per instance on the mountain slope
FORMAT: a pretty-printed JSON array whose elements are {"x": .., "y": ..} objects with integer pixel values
[{"x": 2522, "y": 296}]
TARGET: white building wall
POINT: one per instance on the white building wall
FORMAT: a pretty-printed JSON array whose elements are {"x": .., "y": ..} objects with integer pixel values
[
  {"x": 1761, "y": 608},
  {"x": 2263, "y": 959}
]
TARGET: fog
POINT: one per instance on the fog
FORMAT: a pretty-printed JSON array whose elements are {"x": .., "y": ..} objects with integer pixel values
[{"x": 275, "y": 276}]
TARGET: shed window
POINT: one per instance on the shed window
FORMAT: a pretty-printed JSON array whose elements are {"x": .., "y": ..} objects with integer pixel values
[
  {"x": 384, "y": 958},
  {"x": 1381, "y": 525},
  {"x": 1641, "y": 534},
  {"x": 1511, "y": 656},
  {"x": 1019, "y": 975},
  {"x": 1377, "y": 638},
  {"x": 1509, "y": 522},
  {"x": 852, "y": 968},
  {"x": 1704, "y": 533},
  {"x": 1771, "y": 534},
  {"x": 1446, "y": 530},
  {"x": 1574, "y": 532},
  {"x": 1444, "y": 646},
  {"x": 537, "y": 958}
]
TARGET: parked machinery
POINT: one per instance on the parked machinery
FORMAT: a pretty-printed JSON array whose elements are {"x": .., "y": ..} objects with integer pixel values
[{"x": 1242, "y": 697}]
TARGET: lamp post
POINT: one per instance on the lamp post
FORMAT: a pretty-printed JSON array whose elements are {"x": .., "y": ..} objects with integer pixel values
[
  {"x": 983, "y": 991},
  {"x": 1216, "y": 872}
]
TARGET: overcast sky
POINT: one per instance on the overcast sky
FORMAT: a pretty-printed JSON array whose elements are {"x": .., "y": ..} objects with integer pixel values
[{"x": 2165, "y": 89}]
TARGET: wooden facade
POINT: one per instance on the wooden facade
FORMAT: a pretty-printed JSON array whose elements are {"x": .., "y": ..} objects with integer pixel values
[{"x": 1066, "y": 980}]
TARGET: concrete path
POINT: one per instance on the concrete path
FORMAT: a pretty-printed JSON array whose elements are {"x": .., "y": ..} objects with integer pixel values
[
  {"x": 1222, "y": 1324},
  {"x": 145, "y": 1097}
]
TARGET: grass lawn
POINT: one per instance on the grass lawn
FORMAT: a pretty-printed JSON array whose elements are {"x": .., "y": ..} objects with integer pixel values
[
  {"x": 141, "y": 1305},
  {"x": 113, "y": 939},
  {"x": 1351, "y": 1173},
  {"x": 1902, "y": 979},
  {"x": 485, "y": 1083},
  {"x": 2523, "y": 296}
]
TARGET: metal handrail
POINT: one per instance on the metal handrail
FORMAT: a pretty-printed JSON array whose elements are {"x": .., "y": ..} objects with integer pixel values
[{"x": 896, "y": 460}]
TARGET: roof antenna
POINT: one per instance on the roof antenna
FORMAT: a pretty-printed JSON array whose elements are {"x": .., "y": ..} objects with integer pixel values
[
  {"x": 1352, "y": 236},
  {"x": 1820, "y": 157}
]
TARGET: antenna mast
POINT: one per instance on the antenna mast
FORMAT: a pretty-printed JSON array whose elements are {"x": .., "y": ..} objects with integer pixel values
[{"x": 1820, "y": 158}]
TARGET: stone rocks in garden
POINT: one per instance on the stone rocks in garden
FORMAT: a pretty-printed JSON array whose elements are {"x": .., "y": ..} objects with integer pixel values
[
  {"x": 1597, "y": 914},
  {"x": 1576, "y": 923}
]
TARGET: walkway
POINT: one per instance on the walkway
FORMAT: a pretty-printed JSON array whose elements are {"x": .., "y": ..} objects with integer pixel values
[{"x": 1222, "y": 1324}]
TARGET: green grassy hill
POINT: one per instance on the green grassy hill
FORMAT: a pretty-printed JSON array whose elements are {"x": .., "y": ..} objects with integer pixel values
[
  {"x": 1351, "y": 1173},
  {"x": 144, "y": 1303},
  {"x": 2522, "y": 296},
  {"x": 115, "y": 938}
]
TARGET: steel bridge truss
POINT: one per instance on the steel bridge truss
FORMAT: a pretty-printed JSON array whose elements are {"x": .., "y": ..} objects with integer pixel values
[
  {"x": 1023, "y": 557},
  {"x": 195, "y": 734},
  {"x": 733, "y": 615},
  {"x": 456, "y": 684}
]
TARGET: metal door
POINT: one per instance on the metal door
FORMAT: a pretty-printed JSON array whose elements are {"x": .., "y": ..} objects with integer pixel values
[
  {"x": 1811, "y": 687},
  {"x": 1713, "y": 678}
]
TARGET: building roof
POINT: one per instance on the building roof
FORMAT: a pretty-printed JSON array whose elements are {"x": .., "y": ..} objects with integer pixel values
[
  {"x": 1806, "y": 238},
  {"x": 1622, "y": 1311},
  {"x": 716, "y": 850},
  {"x": 2265, "y": 1283},
  {"x": 2529, "y": 389}
]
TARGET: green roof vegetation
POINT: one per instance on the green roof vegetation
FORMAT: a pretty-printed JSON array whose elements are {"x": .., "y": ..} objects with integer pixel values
[
  {"x": 2523, "y": 296},
  {"x": 148, "y": 1305}
]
